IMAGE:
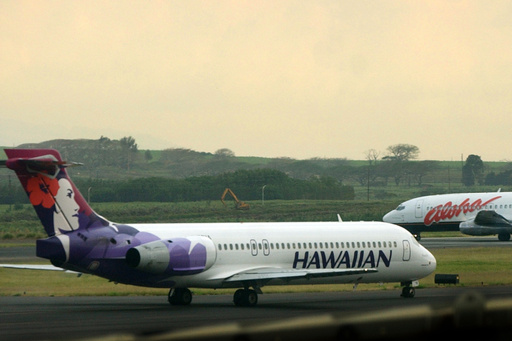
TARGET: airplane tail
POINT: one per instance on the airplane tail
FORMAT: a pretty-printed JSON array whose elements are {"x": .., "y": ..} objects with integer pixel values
[{"x": 58, "y": 203}]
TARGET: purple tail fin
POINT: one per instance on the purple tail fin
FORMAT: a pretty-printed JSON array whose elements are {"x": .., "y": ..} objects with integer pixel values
[{"x": 57, "y": 201}]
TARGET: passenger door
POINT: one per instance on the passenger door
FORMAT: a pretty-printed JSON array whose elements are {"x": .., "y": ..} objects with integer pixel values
[{"x": 407, "y": 251}]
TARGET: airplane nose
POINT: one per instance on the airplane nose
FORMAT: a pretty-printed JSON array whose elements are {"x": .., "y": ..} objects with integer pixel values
[
  {"x": 430, "y": 260},
  {"x": 388, "y": 217}
]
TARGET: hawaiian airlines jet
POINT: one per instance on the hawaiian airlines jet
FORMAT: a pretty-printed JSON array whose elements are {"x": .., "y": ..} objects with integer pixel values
[
  {"x": 215, "y": 255},
  {"x": 476, "y": 214}
]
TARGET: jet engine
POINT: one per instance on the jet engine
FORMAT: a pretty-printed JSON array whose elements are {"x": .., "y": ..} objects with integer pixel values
[{"x": 178, "y": 256}]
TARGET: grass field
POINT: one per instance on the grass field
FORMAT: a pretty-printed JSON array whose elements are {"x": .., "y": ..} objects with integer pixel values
[{"x": 23, "y": 223}]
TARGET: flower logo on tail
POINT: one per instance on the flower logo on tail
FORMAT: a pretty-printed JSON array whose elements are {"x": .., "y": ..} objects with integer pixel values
[{"x": 42, "y": 191}]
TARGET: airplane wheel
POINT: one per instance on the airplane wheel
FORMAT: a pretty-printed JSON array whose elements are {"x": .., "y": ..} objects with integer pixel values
[
  {"x": 408, "y": 292},
  {"x": 245, "y": 298},
  {"x": 237, "y": 297},
  {"x": 180, "y": 296},
  {"x": 252, "y": 298},
  {"x": 504, "y": 237}
]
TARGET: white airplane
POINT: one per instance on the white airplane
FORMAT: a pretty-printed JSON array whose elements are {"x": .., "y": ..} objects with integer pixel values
[
  {"x": 213, "y": 255},
  {"x": 475, "y": 214}
]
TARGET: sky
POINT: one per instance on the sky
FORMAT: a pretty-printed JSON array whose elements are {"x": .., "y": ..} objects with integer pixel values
[{"x": 298, "y": 79}]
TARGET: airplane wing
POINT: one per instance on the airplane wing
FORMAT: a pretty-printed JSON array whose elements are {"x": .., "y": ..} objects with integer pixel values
[
  {"x": 486, "y": 223},
  {"x": 491, "y": 218},
  {"x": 267, "y": 274}
]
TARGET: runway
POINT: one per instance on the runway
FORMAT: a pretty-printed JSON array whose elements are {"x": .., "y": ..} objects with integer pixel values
[
  {"x": 66, "y": 318},
  {"x": 463, "y": 242}
]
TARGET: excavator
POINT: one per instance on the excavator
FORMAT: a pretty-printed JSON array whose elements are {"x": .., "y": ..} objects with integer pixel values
[{"x": 239, "y": 205}]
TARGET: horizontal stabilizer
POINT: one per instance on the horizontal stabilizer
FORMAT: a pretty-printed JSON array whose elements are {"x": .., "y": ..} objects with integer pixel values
[{"x": 34, "y": 267}]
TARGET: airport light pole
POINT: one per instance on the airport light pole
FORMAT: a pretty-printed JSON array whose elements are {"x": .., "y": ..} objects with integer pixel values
[{"x": 263, "y": 194}]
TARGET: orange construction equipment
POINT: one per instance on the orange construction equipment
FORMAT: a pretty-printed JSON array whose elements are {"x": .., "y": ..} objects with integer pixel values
[{"x": 239, "y": 205}]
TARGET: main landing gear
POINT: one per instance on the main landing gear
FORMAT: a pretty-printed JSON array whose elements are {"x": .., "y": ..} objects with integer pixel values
[
  {"x": 408, "y": 291},
  {"x": 179, "y": 296},
  {"x": 242, "y": 297},
  {"x": 245, "y": 298}
]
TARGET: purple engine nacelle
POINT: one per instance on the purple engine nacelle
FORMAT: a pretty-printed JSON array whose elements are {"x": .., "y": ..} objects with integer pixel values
[{"x": 178, "y": 256}]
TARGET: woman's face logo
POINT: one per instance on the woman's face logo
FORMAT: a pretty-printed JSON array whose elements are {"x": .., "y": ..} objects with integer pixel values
[{"x": 65, "y": 217}]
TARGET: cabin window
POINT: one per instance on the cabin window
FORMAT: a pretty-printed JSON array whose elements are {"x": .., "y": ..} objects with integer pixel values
[
  {"x": 379, "y": 244},
  {"x": 305, "y": 245},
  {"x": 226, "y": 247},
  {"x": 353, "y": 245},
  {"x": 364, "y": 244},
  {"x": 358, "y": 245},
  {"x": 220, "y": 246},
  {"x": 321, "y": 245},
  {"x": 242, "y": 246},
  {"x": 394, "y": 243},
  {"x": 337, "y": 245},
  {"x": 236, "y": 246},
  {"x": 259, "y": 246}
]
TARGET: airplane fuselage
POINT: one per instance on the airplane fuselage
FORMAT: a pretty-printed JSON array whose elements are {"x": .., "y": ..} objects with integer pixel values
[
  {"x": 446, "y": 212},
  {"x": 240, "y": 247}
]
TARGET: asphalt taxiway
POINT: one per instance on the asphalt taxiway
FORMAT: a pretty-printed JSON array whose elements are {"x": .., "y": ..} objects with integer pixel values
[{"x": 74, "y": 318}]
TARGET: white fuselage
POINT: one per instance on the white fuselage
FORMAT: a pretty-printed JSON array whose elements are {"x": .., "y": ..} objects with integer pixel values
[{"x": 241, "y": 247}]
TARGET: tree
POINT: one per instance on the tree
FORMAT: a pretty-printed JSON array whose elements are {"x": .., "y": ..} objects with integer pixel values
[
  {"x": 148, "y": 156},
  {"x": 129, "y": 150},
  {"x": 398, "y": 159},
  {"x": 224, "y": 152},
  {"x": 403, "y": 152},
  {"x": 473, "y": 170}
]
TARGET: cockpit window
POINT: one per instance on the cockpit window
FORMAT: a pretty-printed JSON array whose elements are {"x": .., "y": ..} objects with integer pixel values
[{"x": 400, "y": 207}]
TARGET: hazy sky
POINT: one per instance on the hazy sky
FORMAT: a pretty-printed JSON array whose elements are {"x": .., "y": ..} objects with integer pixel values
[{"x": 263, "y": 78}]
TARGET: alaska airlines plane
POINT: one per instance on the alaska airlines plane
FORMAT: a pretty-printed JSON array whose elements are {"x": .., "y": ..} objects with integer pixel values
[
  {"x": 215, "y": 255},
  {"x": 475, "y": 214}
]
